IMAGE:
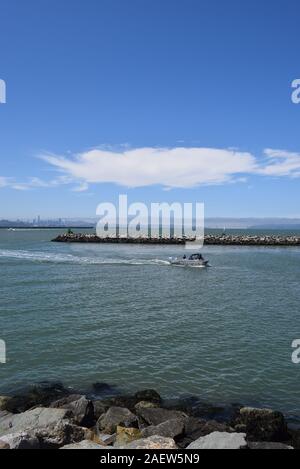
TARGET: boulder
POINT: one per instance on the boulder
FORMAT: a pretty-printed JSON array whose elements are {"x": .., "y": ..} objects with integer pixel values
[
  {"x": 82, "y": 409},
  {"x": 127, "y": 435},
  {"x": 168, "y": 429},
  {"x": 145, "y": 405},
  {"x": 21, "y": 440},
  {"x": 148, "y": 395},
  {"x": 4, "y": 400},
  {"x": 63, "y": 433},
  {"x": 262, "y": 425},
  {"x": 31, "y": 420},
  {"x": 40, "y": 428},
  {"x": 218, "y": 440},
  {"x": 128, "y": 402},
  {"x": 156, "y": 416},
  {"x": 4, "y": 445},
  {"x": 100, "y": 408},
  {"x": 42, "y": 396},
  {"x": 294, "y": 439},
  {"x": 114, "y": 417},
  {"x": 85, "y": 444},
  {"x": 266, "y": 445},
  {"x": 153, "y": 442},
  {"x": 196, "y": 428},
  {"x": 105, "y": 439}
]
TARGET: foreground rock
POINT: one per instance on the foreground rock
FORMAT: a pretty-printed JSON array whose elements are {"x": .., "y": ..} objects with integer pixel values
[
  {"x": 116, "y": 417},
  {"x": 262, "y": 425},
  {"x": 31, "y": 420},
  {"x": 40, "y": 427},
  {"x": 4, "y": 400},
  {"x": 81, "y": 408},
  {"x": 38, "y": 396},
  {"x": 148, "y": 395},
  {"x": 22, "y": 440},
  {"x": 127, "y": 435},
  {"x": 266, "y": 445},
  {"x": 195, "y": 428},
  {"x": 156, "y": 416},
  {"x": 86, "y": 444},
  {"x": 153, "y": 442},
  {"x": 219, "y": 440},
  {"x": 4, "y": 445},
  {"x": 168, "y": 429}
]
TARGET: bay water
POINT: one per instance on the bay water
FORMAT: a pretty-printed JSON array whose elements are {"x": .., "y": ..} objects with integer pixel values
[{"x": 120, "y": 314}]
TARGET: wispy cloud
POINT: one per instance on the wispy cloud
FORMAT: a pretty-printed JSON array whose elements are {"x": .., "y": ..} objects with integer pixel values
[
  {"x": 281, "y": 163},
  {"x": 33, "y": 183}
]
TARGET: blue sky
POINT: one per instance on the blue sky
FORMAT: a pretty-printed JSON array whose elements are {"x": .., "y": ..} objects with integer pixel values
[{"x": 166, "y": 100}]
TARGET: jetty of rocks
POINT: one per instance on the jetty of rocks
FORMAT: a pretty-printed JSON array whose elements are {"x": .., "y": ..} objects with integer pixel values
[
  {"x": 52, "y": 417},
  {"x": 210, "y": 239}
]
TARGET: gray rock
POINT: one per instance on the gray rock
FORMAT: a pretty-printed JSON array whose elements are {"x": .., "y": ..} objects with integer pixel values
[
  {"x": 100, "y": 408},
  {"x": 153, "y": 442},
  {"x": 4, "y": 400},
  {"x": 145, "y": 405},
  {"x": 82, "y": 409},
  {"x": 262, "y": 425},
  {"x": 156, "y": 416},
  {"x": 218, "y": 440},
  {"x": 114, "y": 417},
  {"x": 41, "y": 395},
  {"x": 86, "y": 444},
  {"x": 31, "y": 420},
  {"x": 4, "y": 445},
  {"x": 21, "y": 440},
  {"x": 196, "y": 428},
  {"x": 148, "y": 395},
  {"x": 268, "y": 445},
  {"x": 63, "y": 433},
  {"x": 106, "y": 440},
  {"x": 169, "y": 429},
  {"x": 127, "y": 402}
]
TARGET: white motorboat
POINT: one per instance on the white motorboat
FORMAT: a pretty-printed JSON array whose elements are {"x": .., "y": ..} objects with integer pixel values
[{"x": 195, "y": 260}]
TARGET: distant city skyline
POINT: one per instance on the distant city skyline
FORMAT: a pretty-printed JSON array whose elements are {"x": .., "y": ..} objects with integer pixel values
[{"x": 217, "y": 223}]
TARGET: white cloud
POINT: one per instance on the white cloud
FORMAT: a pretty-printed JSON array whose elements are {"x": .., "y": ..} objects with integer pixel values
[
  {"x": 281, "y": 163},
  {"x": 176, "y": 167},
  {"x": 33, "y": 183},
  {"x": 4, "y": 182}
]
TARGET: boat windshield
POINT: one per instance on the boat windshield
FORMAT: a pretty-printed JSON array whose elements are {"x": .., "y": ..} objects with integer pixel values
[{"x": 196, "y": 257}]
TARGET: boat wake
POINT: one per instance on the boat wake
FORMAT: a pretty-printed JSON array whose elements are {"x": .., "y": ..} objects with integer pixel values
[{"x": 43, "y": 257}]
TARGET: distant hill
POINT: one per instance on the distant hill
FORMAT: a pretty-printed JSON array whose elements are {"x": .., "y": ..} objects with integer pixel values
[{"x": 276, "y": 227}]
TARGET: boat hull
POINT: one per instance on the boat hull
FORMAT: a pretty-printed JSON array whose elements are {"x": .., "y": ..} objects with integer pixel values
[{"x": 189, "y": 263}]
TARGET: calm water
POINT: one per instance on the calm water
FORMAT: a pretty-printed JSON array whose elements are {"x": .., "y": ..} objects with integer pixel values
[{"x": 120, "y": 314}]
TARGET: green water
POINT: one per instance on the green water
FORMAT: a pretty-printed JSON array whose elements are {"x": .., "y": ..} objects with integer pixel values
[{"x": 121, "y": 315}]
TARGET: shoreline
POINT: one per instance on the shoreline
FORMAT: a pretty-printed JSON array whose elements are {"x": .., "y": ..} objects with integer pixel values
[
  {"x": 50, "y": 416},
  {"x": 210, "y": 240}
]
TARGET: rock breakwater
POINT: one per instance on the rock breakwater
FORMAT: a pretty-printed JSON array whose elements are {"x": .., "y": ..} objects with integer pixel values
[
  {"x": 212, "y": 240},
  {"x": 140, "y": 421}
]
